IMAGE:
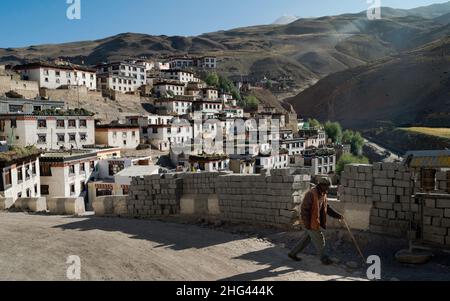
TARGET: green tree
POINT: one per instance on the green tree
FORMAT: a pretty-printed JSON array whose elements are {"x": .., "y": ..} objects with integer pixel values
[
  {"x": 334, "y": 131},
  {"x": 349, "y": 159},
  {"x": 212, "y": 79},
  {"x": 250, "y": 103},
  {"x": 314, "y": 123},
  {"x": 355, "y": 140}
]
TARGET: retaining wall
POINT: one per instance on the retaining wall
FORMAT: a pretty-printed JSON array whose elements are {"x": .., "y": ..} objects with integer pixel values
[
  {"x": 6, "y": 203},
  {"x": 111, "y": 206},
  {"x": 31, "y": 204},
  {"x": 66, "y": 206}
]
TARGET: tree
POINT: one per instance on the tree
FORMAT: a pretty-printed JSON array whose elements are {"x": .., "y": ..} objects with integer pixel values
[
  {"x": 349, "y": 159},
  {"x": 355, "y": 140},
  {"x": 334, "y": 131},
  {"x": 314, "y": 123},
  {"x": 250, "y": 103},
  {"x": 212, "y": 79}
]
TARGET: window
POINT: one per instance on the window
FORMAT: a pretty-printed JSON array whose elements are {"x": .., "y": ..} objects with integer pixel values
[
  {"x": 57, "y": 73},
  {"x": 92, "y": 165},
  {"x": 428, "y": 179},
  {"x": 71, "y": 169},
  {"x": 19, "y": 195},
  {"x": 60, "y": 124},
  {"x": 72, "y": 189},
  {"x": 72, "y": 137},
  {"x": 72, "y": 123},
  {"x": 45, "y": 190},
  {"x": 83, "y": 137},
  {"x": 42, "y": 139},
  {"x": 8, "y": 178},
  {"x": 13, "y": 123},
  {"x": 42, "y": 124},
  {"x": 82, "y": 186},
  {"x": 37, "y": 108},
  {"x": 33, "y": 168},
  {"x": 82, "y": 168},
  {"x": 61, "y": 138},
  {"x": 46, "y": 171},
  {"x": 19, "y": 174},
  {"x": 134, "y": 134}
]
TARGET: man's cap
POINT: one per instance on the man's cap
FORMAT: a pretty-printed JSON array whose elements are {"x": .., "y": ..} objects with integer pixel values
[{"x": 324, "y": 181}]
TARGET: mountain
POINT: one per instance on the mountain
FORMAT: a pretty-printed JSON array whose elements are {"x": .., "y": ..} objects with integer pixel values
[
  {"x": 410, "y": 88},
  {"x": 305, "y": 50},
  {"x": 283, "y": 20}
]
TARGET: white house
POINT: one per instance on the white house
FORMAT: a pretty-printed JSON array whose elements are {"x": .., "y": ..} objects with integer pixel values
[
  {"x": 48, "y": 132},
  {"x": 294, "y": 146},
  {"x": 272, "y": 161},
  {"x": 19, "y": 176},
  {"x": 129, "y": 69},
  {"x": 169, "y": 88},
  {"x": 174, "y": 105},
  {"x": 117, "y": 82},
  {"x": 118, "y": 135},
  {"x": 209, "y": 163},
  {"x": 182, "y": 76},
  {"x": 163, "y": 136},
  {"x": 53, "y": 76},
  {"x": 66, "y": 174}
]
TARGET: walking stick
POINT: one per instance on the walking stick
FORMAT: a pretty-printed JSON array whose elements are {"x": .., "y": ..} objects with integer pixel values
[{"x": 354, "y": 241}]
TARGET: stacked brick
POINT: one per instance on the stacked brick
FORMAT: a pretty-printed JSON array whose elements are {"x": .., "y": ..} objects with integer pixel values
[
  {"x": 393, "y": 206},
  {"x": 155, "y": 195},
  {"x": 436, "y": 218},
  {"x": 357, "y": 183},
  {"x": 200, "y": 183},
  {"x": 260, "y": 198},
  {"x": 443, "y": 181}
]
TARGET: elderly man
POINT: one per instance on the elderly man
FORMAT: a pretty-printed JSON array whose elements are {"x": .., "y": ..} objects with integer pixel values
[{"x": 314, "y": 211}]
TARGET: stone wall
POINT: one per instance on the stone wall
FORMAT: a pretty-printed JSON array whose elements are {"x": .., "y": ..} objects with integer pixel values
[
  {"x": 155, "y": 195},
  {"x": 71, "y": 94},
  {"x": 263, "y": 199},
  {"x": 388, "y": 189},
  {"x": 28, "y": 89},
  {"x": 436, "y": 218}
]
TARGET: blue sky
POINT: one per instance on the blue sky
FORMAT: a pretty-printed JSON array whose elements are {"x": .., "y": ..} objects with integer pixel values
[{"x": 31, "y": 22}]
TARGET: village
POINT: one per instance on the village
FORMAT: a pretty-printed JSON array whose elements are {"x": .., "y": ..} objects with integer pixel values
[{"x": 201, "y": 150}]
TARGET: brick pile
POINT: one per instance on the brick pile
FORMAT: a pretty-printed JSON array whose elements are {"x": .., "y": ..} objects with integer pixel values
[
  {"x": 436, "y": 218},
  {"x": 443, "y": 181},
  {"x": 155, "y": 195},
  {"x": 393, "y": 206},
  {"x": 357, "y": 184},
  {"x": 200, "y": 183},
  {"x": 261, "y": 198}
]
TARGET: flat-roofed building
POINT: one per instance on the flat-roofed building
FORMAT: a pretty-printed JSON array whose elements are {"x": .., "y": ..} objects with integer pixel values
[{"x": 118, "y": 135}]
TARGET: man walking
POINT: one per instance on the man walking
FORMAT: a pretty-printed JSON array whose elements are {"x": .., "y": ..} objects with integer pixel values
[{"x": 314, "y": 211}]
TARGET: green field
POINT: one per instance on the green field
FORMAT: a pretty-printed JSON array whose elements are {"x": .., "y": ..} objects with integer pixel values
[{"x": 437, "y": 132}]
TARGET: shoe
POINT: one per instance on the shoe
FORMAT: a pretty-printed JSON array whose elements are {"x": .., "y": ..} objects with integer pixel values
[
  {"x": 294, "y": 257},
  {"x": 326, "y": 260}
]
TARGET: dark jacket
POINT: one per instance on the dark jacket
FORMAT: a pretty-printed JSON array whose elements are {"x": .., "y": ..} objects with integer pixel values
[{"x": 307, "y": 211}]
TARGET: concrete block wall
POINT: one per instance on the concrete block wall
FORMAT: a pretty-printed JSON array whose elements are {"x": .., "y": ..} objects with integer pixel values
[
  {"x": 66, "y": 206},
  {"x": 261, "y": 199},
  {"x": 357, "y": 184},
  {"x": 115, "y": 205},
  {"x": 31, "y": 204},
  {"x": 436, "y": 218},
  {"x": 388, "y": 189},
  {"x": 393, "y": 205},
  {"x": 6, "y": 203},
  {"x": 443, "y": 182},
  {"x": 155, "y": 195},
  {"x": 264, "y": 199}
]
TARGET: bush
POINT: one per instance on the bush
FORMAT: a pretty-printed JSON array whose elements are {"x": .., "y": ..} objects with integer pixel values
[
  {"x": 355, "y": 140},
  {"x": 349, "y": 159}
]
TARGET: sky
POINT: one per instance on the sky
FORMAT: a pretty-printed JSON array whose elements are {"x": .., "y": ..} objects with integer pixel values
[{"x": 30, "y": 22}]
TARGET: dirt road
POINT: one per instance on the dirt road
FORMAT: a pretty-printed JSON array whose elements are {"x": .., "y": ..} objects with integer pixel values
[{"x": 36, "y": 247}]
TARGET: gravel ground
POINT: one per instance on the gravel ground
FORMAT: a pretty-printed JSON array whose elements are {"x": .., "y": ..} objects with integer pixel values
[{"x": 36, "y": 247}]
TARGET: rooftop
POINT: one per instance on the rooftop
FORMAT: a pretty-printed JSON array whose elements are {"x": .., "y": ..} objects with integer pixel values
[
  {"x": 72, "y": 67},
  {"x": 138, "y": 171},
  {"x": 18, "y": 154}
]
